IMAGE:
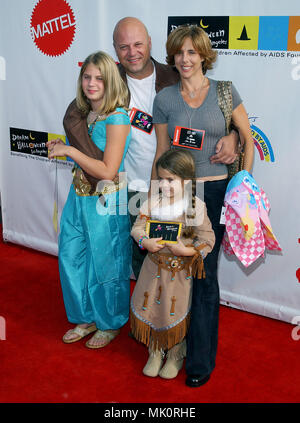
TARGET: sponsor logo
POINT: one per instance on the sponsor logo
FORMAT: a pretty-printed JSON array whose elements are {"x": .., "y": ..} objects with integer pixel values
[
  {"x": 28, "y": 142},
  {"x": 216, "y": 27},
  {"x": 33, "y": 143},
  {"x": 246, "y": 32},
  {"x": 52, "y": 26}
]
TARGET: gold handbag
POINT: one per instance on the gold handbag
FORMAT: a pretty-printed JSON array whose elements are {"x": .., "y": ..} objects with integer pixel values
[{"x": 225, "y": 103}]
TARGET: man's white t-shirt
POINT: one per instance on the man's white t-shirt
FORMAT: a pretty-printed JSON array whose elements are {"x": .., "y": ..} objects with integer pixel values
[{"x": 140, "y": 155}]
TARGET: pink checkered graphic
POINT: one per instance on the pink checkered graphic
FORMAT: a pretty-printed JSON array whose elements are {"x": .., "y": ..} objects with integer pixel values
[
  {"x": 234, "y": 241},
  {"x": 247, "y": 251}
]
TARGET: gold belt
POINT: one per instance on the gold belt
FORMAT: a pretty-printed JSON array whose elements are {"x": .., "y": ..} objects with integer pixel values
[{"x": 83, "y": 187}]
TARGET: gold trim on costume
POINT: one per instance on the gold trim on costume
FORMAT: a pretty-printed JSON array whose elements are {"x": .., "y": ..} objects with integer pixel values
[{"x": 83, "y": 187}]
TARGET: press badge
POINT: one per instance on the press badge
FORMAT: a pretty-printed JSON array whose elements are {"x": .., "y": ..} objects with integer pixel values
[
  {"x": 188, "y": 137},
  {"x": 141, "y": 120},
  {"x": 222, "y": 217}
]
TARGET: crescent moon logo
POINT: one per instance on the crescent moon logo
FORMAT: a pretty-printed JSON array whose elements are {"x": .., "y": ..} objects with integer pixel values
[
  {"x": 31, "y": 137},
  {"x": 202, "y": 24}
]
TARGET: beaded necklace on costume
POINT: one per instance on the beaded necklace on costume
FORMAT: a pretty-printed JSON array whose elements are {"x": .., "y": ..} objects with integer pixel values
[{"x": 92, "y": 118}]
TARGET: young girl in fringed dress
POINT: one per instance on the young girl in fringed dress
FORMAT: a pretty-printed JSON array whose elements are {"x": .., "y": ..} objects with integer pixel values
[{"x": 160, "y": 303}]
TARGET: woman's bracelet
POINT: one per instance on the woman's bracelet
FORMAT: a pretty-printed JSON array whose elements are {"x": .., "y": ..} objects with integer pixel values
[{"x": 141, "y": 240}]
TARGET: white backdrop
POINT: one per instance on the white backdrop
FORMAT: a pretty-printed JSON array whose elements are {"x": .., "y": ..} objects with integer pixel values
[{"x": 36, "y": 88}]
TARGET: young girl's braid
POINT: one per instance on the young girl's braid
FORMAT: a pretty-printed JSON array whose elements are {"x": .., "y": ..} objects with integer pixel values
[{"x": 191, "y": 212}]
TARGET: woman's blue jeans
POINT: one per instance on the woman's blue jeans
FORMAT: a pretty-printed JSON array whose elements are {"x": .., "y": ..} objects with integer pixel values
[{"x": 202, "y": 337}]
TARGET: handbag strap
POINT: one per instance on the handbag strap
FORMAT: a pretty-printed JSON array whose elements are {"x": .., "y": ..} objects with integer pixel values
[{"x": 224, "y": 93}]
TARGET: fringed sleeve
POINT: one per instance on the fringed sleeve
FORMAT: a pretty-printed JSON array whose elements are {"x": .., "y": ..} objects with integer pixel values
[
  {"x": 204, "y": 233},
  {"x": 139, "y": 227}
]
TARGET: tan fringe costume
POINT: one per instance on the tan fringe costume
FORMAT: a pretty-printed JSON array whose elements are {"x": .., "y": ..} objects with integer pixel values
[{"x": 161, "y": 300}]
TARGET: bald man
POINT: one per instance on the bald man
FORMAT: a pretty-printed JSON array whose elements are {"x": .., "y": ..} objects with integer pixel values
[
  {"x": 133, "y": 47},
  {"x": 144, "y": 77}
]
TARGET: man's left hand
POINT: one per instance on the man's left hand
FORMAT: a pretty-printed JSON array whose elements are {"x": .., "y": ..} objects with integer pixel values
[{"x": 226, "y": 149}]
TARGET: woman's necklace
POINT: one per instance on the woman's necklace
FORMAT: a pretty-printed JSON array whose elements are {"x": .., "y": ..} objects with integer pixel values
[{"x": 192, "y": 94}]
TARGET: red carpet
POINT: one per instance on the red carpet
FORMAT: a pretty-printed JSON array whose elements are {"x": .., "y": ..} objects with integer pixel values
[{"x": 257, "y": 360}]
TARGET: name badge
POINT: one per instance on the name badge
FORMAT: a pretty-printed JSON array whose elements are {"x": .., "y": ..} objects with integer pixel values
[
  {"x": 188, "y": 137},
  {"x": 169, "y": 231},
  {"x": 222, "y": 217},
  {"x": 141, "y": 120}
]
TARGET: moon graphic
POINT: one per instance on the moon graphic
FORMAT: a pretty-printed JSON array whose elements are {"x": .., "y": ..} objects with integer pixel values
[
  {"x": 202, "y": 24},
  {"x": 31, "y": 137}
]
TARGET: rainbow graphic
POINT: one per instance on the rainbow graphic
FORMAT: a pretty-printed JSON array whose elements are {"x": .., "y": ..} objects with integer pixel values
[{"x": 262, "y": 144}]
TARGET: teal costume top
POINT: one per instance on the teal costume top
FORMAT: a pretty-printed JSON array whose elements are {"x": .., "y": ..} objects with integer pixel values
[{"x": 95, "y": 249}]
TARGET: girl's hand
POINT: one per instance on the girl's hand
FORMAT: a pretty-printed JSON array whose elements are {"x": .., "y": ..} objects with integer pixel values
[
  {"x": 180, "y": 249},
  {"x": 56, "y": 148},
  {"x": 50, "y": 144},
  {"x": 151, "y": 244}
]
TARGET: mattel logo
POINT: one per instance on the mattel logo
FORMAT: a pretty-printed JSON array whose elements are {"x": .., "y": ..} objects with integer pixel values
[{"x": 52, "y": 26}]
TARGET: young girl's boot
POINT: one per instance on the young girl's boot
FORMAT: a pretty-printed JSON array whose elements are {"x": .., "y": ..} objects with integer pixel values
[
  {"x": 174, "y": 362},
  {"x": 154, "y": 363}
]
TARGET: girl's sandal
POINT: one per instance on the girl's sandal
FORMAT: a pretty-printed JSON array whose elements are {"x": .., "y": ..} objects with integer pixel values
[
  {"x": 81, "y": 332},
  {"x": 106, "y": 335}
]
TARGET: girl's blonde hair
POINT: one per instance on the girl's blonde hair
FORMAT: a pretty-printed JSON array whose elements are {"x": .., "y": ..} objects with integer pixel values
[
  {"x": 181, "y": 163},
  {"x": 200, "y": 40},
  {"x": 116, "y": 92}
]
